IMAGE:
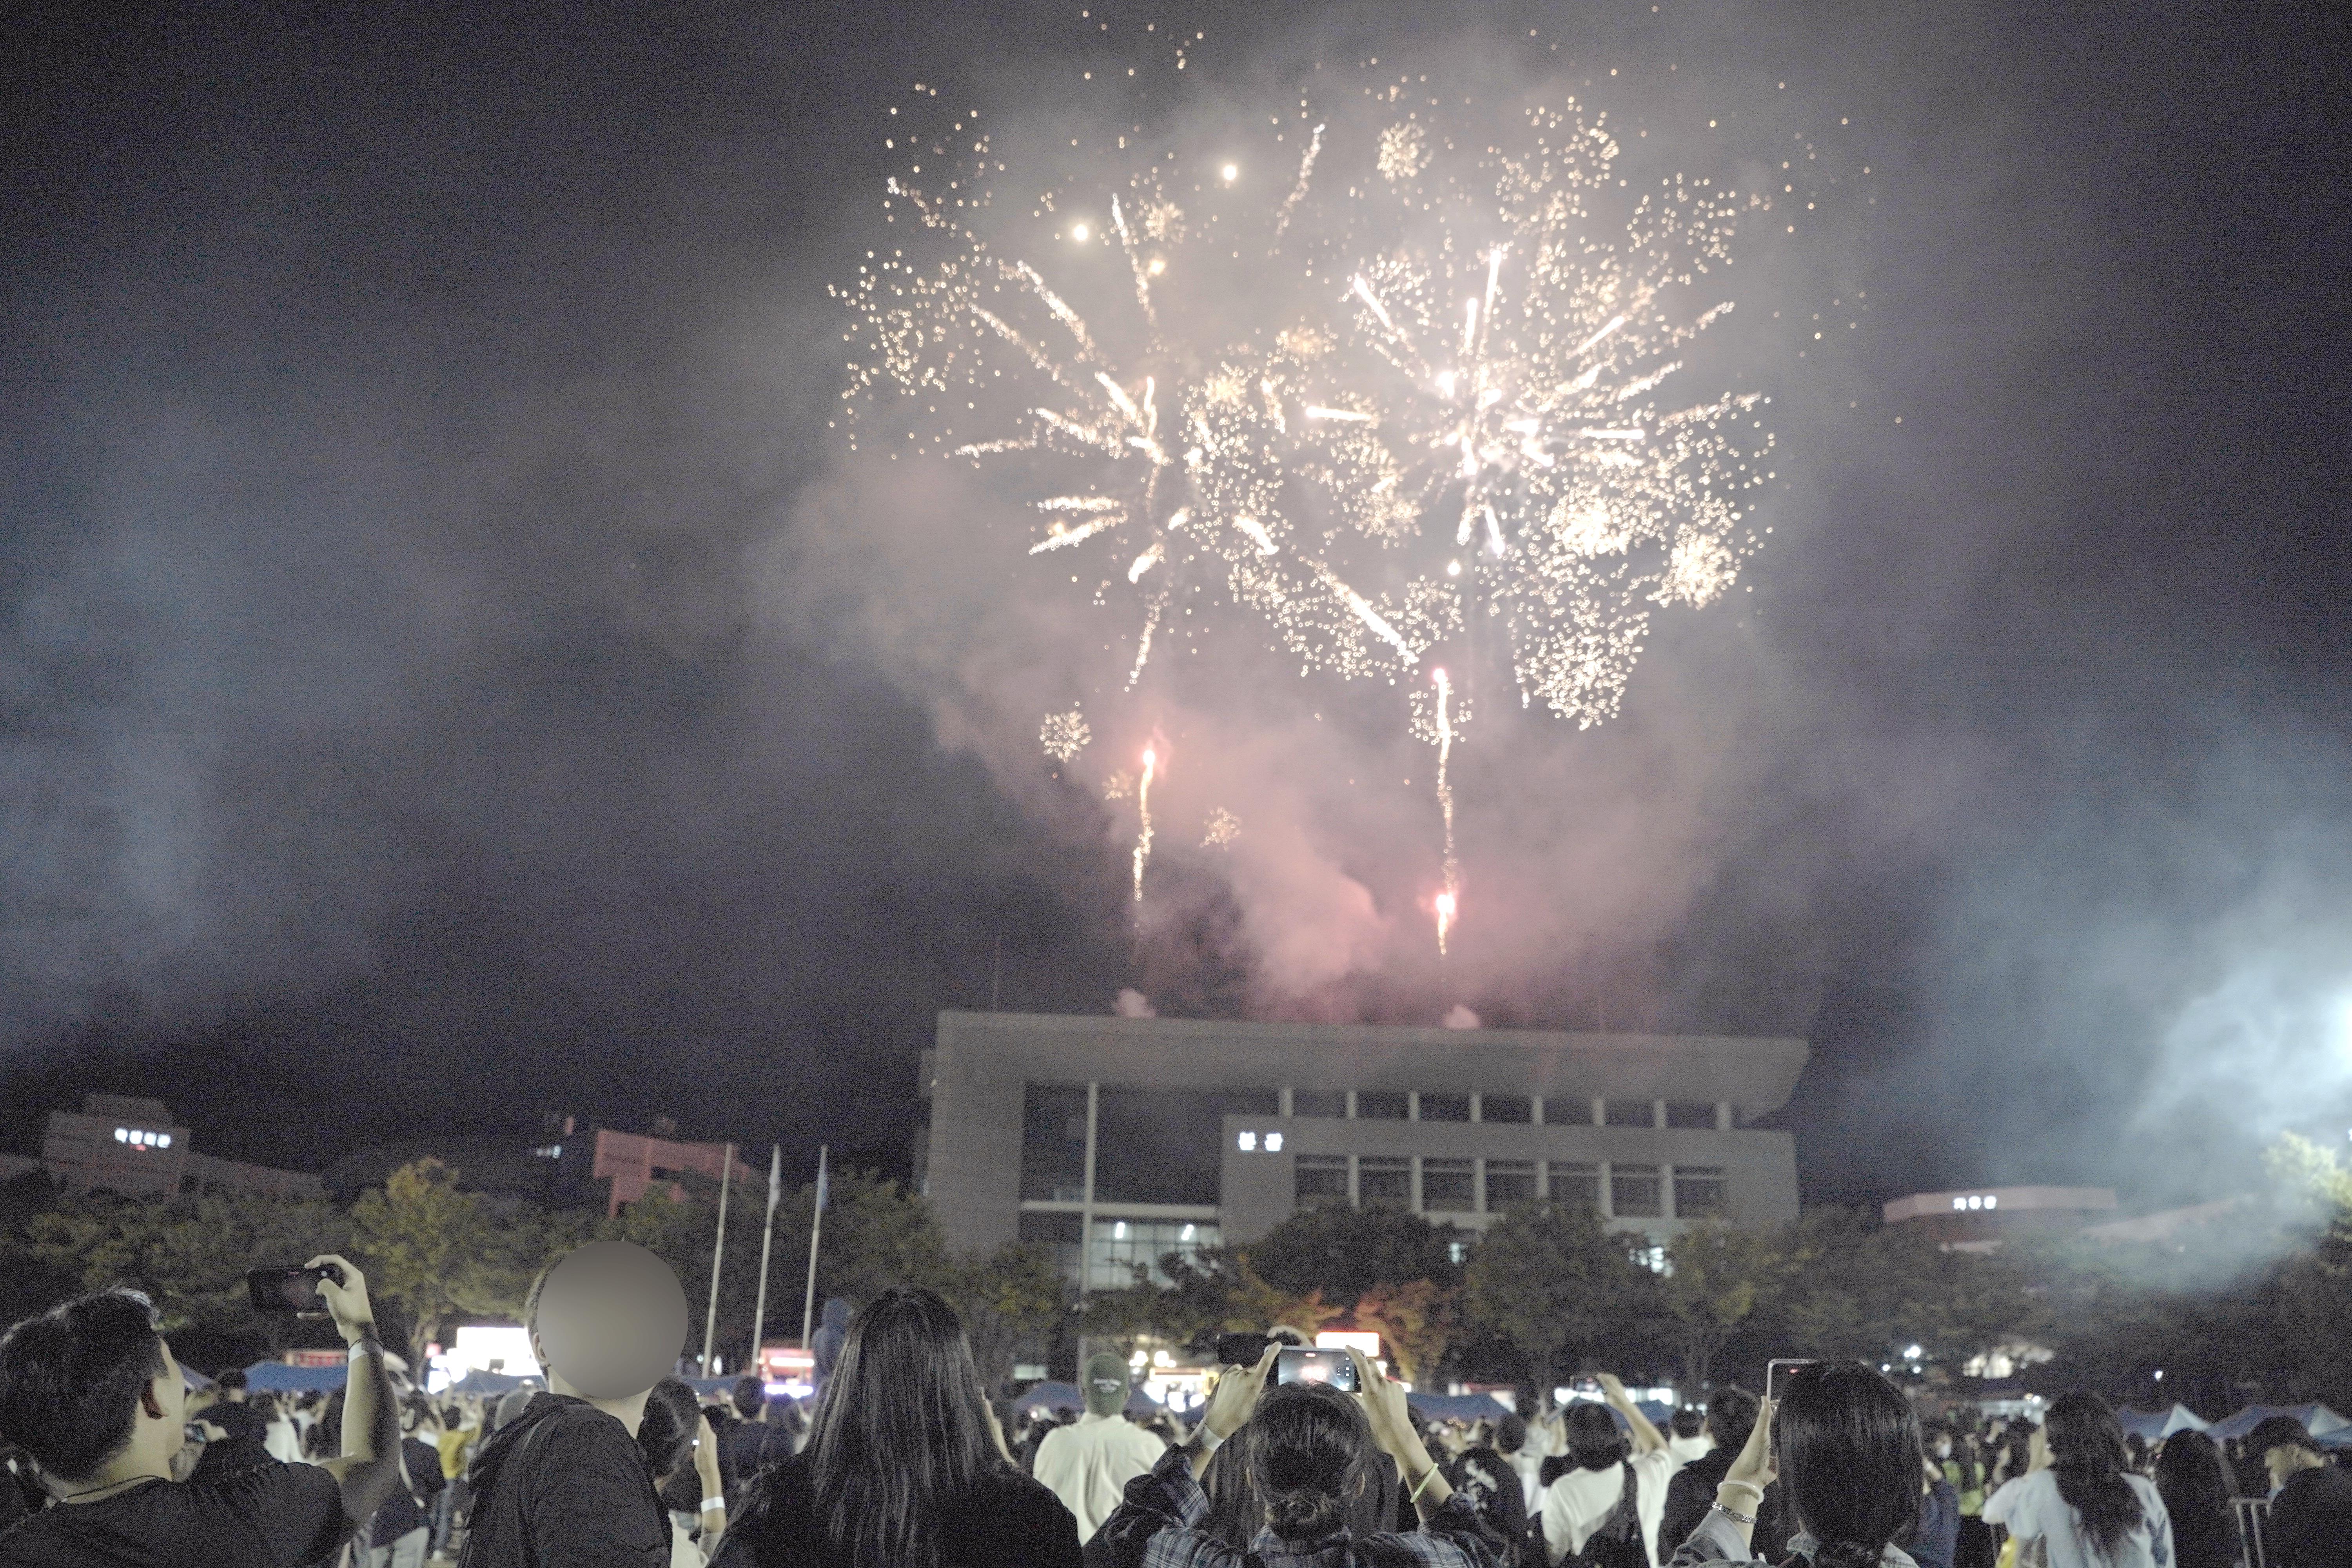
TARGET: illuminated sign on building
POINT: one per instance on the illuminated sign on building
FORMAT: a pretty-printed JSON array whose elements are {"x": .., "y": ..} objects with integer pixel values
[{"x": 138, "y": 1139}]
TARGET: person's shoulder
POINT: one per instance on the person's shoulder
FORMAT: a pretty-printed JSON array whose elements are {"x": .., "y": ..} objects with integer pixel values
[
  {"x": 1655, "y": 1462},
  {"x": 1025, "y": 1497}
]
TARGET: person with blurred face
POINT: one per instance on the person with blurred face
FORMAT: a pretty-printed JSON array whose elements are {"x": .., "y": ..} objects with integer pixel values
[
  {"x": 92, "y": 1391},
  {"x": 2310, "y": 1523},
  {"x": 1087, "y": 1465}
]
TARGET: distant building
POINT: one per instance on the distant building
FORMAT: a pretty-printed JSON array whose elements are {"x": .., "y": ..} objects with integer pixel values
[
  {"x": 1980, "y": 1219},
  {"x": 119, "y": 1143},
  {"x": 1117, "y": 1140},
  {"x": 564, "y": 1166}
]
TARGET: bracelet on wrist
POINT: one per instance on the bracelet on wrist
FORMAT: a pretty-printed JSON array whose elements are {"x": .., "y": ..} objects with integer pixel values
[
  {"x": 1748, "y": 1487},
  {"x": 366, "y": 1344},
  {"x": 710, "y": 1503},
  {"x": 1204, "y": 1439},
  {"x": 1746, "y": 1519}
]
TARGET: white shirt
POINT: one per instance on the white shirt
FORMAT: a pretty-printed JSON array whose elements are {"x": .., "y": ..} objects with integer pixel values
[
  {"x": 1087, "y": 1466},
  {"x": 283, "y": 1438},
  {"x": 2032, "y": 1510},
  {"x": 1576, "y": 1503},
  {"x": 1685, "y": 1449}
]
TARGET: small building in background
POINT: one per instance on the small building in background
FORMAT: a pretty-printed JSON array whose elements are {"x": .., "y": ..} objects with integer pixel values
[
  {"x": 1979, "y": 1219},
  {"x": 566, "y": 1165},
  {"x": 122, "y": 1143}
]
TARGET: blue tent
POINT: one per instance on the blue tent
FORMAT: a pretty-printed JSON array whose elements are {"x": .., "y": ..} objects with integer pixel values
[
  {"x": 2317, "y": 1418},
  {"x": 2153, "y": 1426},
  {"x": 279, "y": 1378},
  {"x": 490, "y": 1384},
  {"x": 1458, "y": 1407}
]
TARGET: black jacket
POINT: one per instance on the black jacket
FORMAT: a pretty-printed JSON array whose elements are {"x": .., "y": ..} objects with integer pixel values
[
  {"x": 1691, "y": 1493},
  {"x": 1009, "y": 1522},
  {"x": 2310, "y": 1523},
  {"x": 563, "y": 1485}
]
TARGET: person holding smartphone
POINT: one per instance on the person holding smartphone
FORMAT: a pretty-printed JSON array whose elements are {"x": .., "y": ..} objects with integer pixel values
[
  {"x": 1606, "y": 1509},
  {"x": 1311, "y": 1452},
  {"x": 92, "y": 1391}
]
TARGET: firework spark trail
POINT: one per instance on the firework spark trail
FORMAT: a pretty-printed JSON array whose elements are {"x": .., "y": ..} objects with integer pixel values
[
  {"x": 1143, "y": 811},
  {"x": 1433, "y": 338},
  {"x": 1448, "y": 900}
]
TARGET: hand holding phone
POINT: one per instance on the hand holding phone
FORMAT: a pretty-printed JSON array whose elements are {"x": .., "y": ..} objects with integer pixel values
[
  {"x": 1778, "y": 1373},
  {"x": 281, "y": 1290}
]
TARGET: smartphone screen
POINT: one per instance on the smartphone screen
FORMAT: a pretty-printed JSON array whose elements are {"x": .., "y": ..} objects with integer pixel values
[
  {"x": 285, "y": 1289},
  {"x": 1295, "y": 1365},
  {"x": 1776, "y": 1376}
]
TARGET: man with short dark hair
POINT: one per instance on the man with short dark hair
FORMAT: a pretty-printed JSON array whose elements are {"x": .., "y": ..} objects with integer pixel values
[
  {"x": 233, "y": 1444},
  {"x": 753, "y": 1441},
  {"x": 231, "y": 1385},
  {"x": 2310, "y": 1522},
  {"x": 1730, "y": 1416},
  {"x": 91, "y": 1390}
]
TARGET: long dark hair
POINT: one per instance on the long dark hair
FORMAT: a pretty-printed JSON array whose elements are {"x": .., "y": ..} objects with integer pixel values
[
  {"x": 1849, "y": 1449},
  {"x": 1313, "y": 1452},
  {"x": 2195, "y": 1487},
  {"x": 2086, "y": 1453},
  {"x": 1237, "y": 1507},
  {"x": 901, "y": 1435}
]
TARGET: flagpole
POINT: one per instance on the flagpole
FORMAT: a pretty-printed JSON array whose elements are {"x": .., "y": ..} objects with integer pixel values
[
  {"x": 718, "y": 1256},
  {"x": 767, "y": 1240},
  {"x": 816, "y": 1226}
]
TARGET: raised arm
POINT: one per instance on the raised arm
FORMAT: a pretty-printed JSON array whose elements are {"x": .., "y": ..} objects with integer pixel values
[
  {"x": 1647, "y": 1438},
  {"x": 369, "y": 1468}
]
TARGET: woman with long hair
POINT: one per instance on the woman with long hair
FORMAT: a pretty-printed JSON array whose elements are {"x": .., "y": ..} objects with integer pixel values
[
  {"x": 682, "y": 1454},
  {"x": 2195, "y": 1487},
  {"x": 2079, "y": 1497},
  {"x": 1308, "y": 1453},
  {"x": 1846, "y": 1444},
  {"x": 902, "y": 1468}
]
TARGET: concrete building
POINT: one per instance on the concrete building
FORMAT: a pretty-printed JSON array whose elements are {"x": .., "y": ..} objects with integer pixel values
[
  {"x": 121, "y": 1143},
  {"x": 1120, "y": 1139},
  {"x": 1979, "y": 1218},
  {"x": 564, "y": 1165}
]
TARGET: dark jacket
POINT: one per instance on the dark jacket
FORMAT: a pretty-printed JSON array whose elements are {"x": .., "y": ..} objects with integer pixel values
[
  {"x": 1933, "y": 1538},
  {"x": 563, "y": 1485},
  {"x": 825, "y": 1348},
  {"x": 405, "y": 1509},
  {"x": 1692, "y": 1492},
  {"x": 2310, "y": 1524},
  {"x": 1009, "y": 1522},
  {"x": 744, "y": 1449}
]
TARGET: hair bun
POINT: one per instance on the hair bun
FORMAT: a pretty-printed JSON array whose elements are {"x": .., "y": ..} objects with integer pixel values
[
  {"x": 1847, "y": 1554},
  {"x": 1304, "y": 1514}
]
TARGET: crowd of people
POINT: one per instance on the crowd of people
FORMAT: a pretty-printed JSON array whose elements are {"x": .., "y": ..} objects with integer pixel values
[{"x": 902, "y": 1459}]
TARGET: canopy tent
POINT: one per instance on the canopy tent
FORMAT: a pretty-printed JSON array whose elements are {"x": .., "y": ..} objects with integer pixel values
[
  {"x": 1458, "y": 1407},
  {"x": 278, "y": 1377},
  {"x": 1066, "y": 1396},
  {"x": 2317, "y": 1418},
  {"x": 2154, "y": 1426},
  {"x": 491, "y": 1384}
]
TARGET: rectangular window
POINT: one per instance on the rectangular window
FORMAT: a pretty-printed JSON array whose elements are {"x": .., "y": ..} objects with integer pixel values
[
  {"x": 1321, "y": 1181},
  {"x": 1444, "y": 1106},
  {"x": 1166, "y": 1146},
  {"x": 1509, "y": 1182},
  {"x": 1054, "y": 1143},
  {"x": 1567, "y": 1111},
  {"x": 1319, "y": 1102},
  {"x": 1635, "y": 1192},
  {"x": 1121, "y": 1247},
  {"x": 1699, "y": 1191},
  {"x": 1379, "y": 1105},
  {"x": 1058, "y": 1232},
  {"x": 1447, "y": 1186},
  {"x": 1384, "y": 1183},
  {"x": 1689, "y": 1113},
  {"x": 1631, "y": 1114},
  {"x": 1506, "y": 1107},
  {"x": 1575, "y": 1184}
]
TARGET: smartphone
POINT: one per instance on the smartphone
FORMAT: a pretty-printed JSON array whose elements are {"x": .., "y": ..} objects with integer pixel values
[
  {"x": 1297, "y": 1364},
  {"x": 292, "y": 1290},
  {"x": 1242, "y": 1349},
  {"x": 1776, "y": 1376}
]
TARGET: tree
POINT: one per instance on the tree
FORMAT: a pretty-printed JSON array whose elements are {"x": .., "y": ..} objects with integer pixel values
[
  {"x": 1716, "y": 1275},
  {"x": 440, "y": 1254},
  {"x": 1344, "y": 1252},
  {"x": 1552, "y": 1279},
  {"x": 1218, "y": 1289},
  {"x": 1417, "y": 1321},
  {"x": 1010, "y": 1297}
]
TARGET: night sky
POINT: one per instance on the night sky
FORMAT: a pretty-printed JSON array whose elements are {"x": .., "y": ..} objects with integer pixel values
[{"x": 451, "y": 673}]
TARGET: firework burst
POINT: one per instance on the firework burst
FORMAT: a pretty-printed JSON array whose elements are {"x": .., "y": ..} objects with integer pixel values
[{"x": 1420, "y": 394}]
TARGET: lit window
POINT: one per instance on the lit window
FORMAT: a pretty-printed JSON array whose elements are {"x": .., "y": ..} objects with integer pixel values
[
  {"x": 1248, "y": 1141},
  {"x": 1118, "y": 1231},
  {"x": 1186, "y": 1235},
  {"x": 1274, "y": 1143}
]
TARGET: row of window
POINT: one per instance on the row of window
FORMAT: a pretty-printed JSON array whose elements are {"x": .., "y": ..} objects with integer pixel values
[
  {"x": 1488, "y": 1186},
  {"x": 1117, "y": 1246},
  {"x": 1548, "y": 1111}
]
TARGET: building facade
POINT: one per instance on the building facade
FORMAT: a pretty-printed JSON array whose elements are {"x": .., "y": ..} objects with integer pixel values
[
  {"x": 1979, "y": 1218},
  {"x": 121, "y": 1143},
  {"x": 1117, "y": 1141}
]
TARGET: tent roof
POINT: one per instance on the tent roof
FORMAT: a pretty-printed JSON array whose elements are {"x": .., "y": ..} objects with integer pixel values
[{"x": 277, "y": 1376}]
